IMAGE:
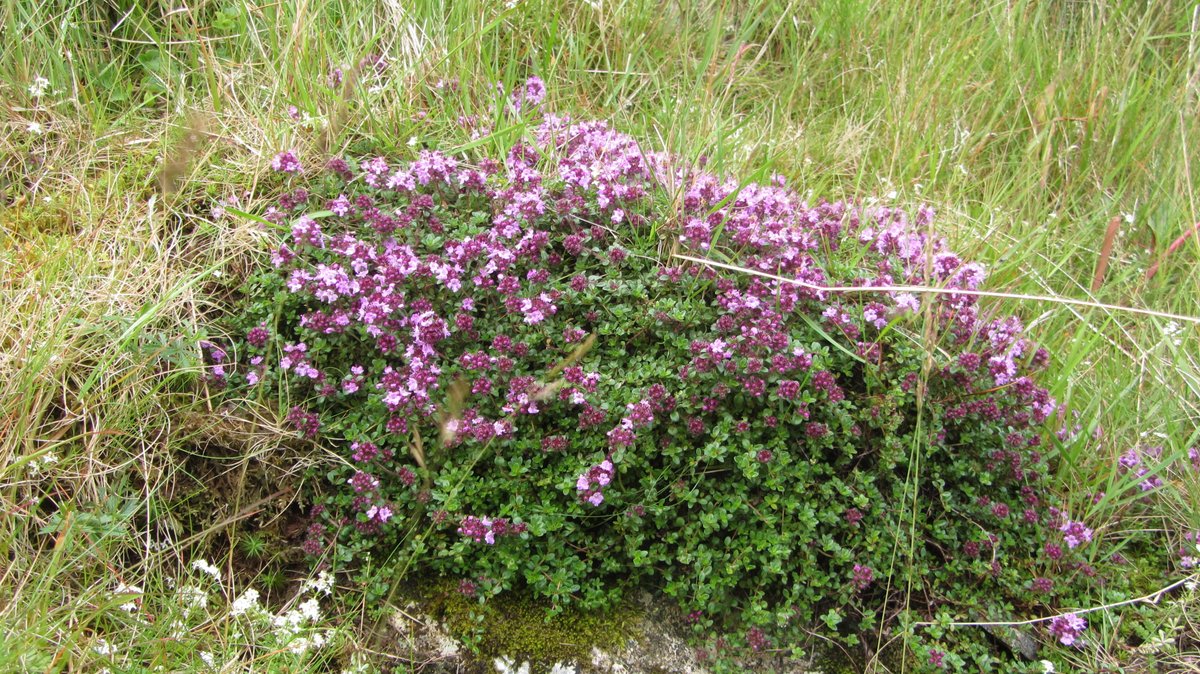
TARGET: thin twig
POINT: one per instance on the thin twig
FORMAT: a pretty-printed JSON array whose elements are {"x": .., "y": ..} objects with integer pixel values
[
  {"x": 944, "y": 291},
  {"x": 1151, "y": 598}
]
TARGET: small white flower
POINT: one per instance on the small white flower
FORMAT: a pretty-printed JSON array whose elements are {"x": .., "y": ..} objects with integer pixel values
[
  {"x": 298, "y": 646},
  {"x": 102, "y": 647},
  {"x": 1047, "y": 666},
  {"x": 193, "y": 597},
  {"x": 130, "y": 606},
  {"x": 35, "y": 128},
  {"x": 247, "y": 601},
  {"x": 412, "y": 142},
  {"x": 1128, "y": 218},
  {"x": 1171, "y": 331},
  {"x": 208, "y": 658},
  {"x": 323, "y": 583},
  {"x": 40, "y": 464},
  {"x": 204, "y": 566},
  {"x": 311, "y": 610},
  {"x": 289, "y": 623},
  {"x": 38, "y": 87}
]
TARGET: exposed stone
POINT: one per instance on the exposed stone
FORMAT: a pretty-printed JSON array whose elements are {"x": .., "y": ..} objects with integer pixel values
[{"x": 424, "y": 641}]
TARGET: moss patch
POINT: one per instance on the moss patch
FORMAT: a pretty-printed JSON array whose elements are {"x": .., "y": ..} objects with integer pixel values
[{"x": 517, "y": 626}]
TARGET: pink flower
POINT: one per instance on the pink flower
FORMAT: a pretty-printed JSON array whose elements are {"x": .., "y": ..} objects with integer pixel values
[
  {"x": 1068, "y": 628},
  {"x": 287, "y": 162},
  {"x": 1075, "y": 533}
]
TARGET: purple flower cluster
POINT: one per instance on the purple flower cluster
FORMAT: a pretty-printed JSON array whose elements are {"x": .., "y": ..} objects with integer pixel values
[
  {"x": 307, "y": 423},
  {"x": 487, "y": 530},
  {"x": 591, "y": 482},
  {"x": 757, "y": 639},
  {"x": 1135, "y": 461},
  {"x": 216, "y": 356},
  {"x": 287, "y": 162},
  {"x": 1189, "y": 556},
  {"x": 1067, "y": 628},
  {"x": 1075, "y": 533},
  {"x": 529, "y": 95},
  {"x": 863, "y": 576}
]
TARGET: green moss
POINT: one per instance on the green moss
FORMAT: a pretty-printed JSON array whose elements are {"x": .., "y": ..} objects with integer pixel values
[{"x": 517, "y": 626}]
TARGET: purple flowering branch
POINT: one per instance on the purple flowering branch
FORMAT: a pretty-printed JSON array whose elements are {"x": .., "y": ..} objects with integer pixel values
[{"x": 935, "y": 290}]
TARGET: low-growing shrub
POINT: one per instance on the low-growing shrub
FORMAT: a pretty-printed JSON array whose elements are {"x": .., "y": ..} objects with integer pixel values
[{"x": 529, "y": 388}]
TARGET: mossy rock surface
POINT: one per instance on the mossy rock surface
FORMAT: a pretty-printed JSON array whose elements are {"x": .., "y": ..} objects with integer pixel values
[
  {"x": 646, "y": 637},
  {"x": 520, "y": 628}
]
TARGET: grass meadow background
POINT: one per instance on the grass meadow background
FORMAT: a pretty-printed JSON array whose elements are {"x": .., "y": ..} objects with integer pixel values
[{"x": 1058, "y": 141}]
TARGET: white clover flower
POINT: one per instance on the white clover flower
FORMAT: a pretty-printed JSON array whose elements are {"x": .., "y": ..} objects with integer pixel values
[
  {"x": 38, "y": 87},
  {"x": 204, "y": 566},
  {"x": 246, "y": 602}
]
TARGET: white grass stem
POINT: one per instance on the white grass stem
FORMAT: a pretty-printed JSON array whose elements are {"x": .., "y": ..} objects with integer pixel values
[{"x": 945, "y": 291}]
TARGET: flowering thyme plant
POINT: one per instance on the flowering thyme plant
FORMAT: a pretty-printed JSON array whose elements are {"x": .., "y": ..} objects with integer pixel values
[{"x": 526, "y": 390}]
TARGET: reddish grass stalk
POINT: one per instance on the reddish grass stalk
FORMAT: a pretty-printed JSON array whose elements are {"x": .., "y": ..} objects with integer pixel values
[
  {"x": 1175, "y": 245},
  {"x": 1110, "y": 236}
]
